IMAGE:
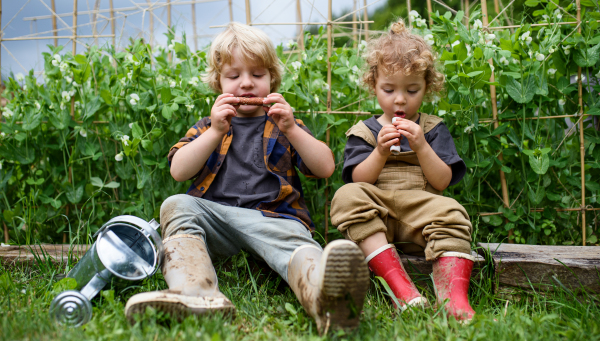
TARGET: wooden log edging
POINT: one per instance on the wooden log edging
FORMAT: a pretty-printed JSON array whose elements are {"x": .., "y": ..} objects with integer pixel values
[
  {"x": 56, "y": 253},
  {"x": 545, "y": 267}
]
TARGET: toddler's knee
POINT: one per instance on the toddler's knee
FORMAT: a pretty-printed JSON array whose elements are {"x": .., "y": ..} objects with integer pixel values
[{"x": 348, "y": 192}]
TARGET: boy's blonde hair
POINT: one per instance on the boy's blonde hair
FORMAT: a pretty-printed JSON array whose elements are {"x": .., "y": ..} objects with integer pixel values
[
  {"x": 399, "y": 50},
  {"x": 254, "y": 47}
]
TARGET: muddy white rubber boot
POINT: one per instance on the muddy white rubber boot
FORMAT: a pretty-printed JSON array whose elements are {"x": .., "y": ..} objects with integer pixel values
[
  {"x": 330, "y": 284},
  {"x": 192, "y": 281}
]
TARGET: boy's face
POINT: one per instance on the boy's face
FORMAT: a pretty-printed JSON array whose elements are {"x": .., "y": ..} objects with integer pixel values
[
  {"x": 245, "y": 80},
  {"x": 400, "y": 93}
]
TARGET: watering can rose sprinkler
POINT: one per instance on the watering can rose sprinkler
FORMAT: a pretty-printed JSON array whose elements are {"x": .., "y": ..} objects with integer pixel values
[{"x": 127, "y": 247}]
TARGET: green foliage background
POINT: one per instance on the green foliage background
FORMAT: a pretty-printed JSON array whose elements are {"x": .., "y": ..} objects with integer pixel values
[{"x": 63, "y": 174}]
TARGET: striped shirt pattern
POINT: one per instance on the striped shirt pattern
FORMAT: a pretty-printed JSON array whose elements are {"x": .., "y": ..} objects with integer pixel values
[{"x": 280, "y": 158}]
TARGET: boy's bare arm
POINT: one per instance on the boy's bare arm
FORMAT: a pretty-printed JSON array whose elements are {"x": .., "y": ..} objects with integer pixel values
[
  {"x": 316, "y": 155},
  {"x": 188, "y": 160},
  {"x": 437, "y": 172},
  {"x": 369, "y": 170}
]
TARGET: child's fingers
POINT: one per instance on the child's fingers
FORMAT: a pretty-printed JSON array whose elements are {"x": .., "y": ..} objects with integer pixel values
[
  {"x": 275, "y": 98},
  {"x": 390, "y": 143}
]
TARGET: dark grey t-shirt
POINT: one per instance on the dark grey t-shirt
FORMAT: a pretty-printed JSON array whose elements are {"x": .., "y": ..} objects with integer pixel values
[
  {"x": 439, "y": 138},
  {"x": 243, "y": 180}
]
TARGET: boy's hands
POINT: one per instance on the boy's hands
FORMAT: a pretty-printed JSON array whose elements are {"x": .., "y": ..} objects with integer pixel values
[
  {"x": 281, "y": 112},
  {"x": 387, "y": 137},
  {"x": 412, "y": 132},
  {"x": 222, "y": 112}
]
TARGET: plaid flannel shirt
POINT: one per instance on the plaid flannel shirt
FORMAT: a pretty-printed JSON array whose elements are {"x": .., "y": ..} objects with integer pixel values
[{"x": 280, "y": 158}]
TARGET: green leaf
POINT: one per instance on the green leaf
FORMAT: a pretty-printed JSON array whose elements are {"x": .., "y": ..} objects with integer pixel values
[
  {"x": 495, "y": 220},
  {"x": 31, "y": 120},
  {"x": 536, "y": 197},
  {"x": 137, "y": 131},
  {"x": 64, "y": 284},
  {"x": 106, "y": 96},
  {"x": 501, "y": 129},
  {"x": 341, "y": 70},
  {"x": 539, "y": 164},
  {"x": 167, "y": 112},
  {"x": 112, "y": 184},
  {"x": 521, "y": 94},
  {"x": 290, "y": 308},
  {"x": 587, "y": 57},
  {"x": 389, "y": 291},
  {"x": 74, "y": 195},
  {"x": 97, "y": 182},
  {"x": 594, "y": 111},
  {"x": 149, "y": 161},
  {"x": 165, "y": 95},
  {"x": 81, "y": 59},
  {"x": 532, "y": 3},
  {"x": 91, "y": 107},
  {"x": 474, "y": 73},
  {"x": 505, "y": 169}
]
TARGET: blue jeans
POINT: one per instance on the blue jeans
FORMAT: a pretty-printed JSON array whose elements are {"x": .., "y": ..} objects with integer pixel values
[{"x": 226, "y": 230}]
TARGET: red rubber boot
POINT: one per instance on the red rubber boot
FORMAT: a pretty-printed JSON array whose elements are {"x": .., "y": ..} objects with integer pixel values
[
  {"x": 385, "y": 262},
  {"x": 451, "y": 277}
]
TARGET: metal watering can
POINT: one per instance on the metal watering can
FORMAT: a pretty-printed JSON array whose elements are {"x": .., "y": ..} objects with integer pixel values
[{"x": 127, "y": 247}]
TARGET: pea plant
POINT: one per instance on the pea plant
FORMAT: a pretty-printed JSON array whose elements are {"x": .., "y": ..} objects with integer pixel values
[{"x": 90, "y": 141}]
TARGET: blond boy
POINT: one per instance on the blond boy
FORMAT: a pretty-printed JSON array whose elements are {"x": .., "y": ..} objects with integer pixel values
[{"x": 247, "y": 195}]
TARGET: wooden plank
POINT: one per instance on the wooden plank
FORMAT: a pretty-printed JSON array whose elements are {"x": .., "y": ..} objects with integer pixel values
[
  {"x": 542, "y": 267},
  {"x": 57, "y": 253}
]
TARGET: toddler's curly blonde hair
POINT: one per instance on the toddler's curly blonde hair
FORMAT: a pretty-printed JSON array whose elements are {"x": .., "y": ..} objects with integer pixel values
[{"x": 399, "y": 50}]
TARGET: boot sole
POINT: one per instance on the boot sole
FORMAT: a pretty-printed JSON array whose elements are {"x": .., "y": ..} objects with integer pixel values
[
  {"x": 176, "y": 305},
  {"x": 345, "y": 283}
]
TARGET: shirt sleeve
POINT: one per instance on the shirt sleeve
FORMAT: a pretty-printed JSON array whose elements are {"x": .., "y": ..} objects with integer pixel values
[
  {"x": 442, "y": 143},
  {"x": 357, "y": 150},
  {"x": 192, "y": 134}
]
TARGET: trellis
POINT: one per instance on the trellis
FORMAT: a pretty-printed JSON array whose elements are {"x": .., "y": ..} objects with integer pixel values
[{"x": 356, "y": 33}]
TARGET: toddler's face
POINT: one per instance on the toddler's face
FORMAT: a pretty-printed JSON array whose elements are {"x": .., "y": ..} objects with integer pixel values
[
  {"x": 245, "y": 80},
  {"x": 400, "y": 93}
]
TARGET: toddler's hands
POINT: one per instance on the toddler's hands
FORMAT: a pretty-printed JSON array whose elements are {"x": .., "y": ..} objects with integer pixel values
[
  {"x": 387, "y": 137},
  {"x": 222, "y": 112},
  {"x": 281, "y": 112},
  {"x": 412, "y": 132}
]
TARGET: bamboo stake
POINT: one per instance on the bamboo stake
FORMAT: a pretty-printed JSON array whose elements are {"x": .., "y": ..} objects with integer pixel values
[
  {"x": 5, "y": 230},
  {"x": 59, "y": 37},
  {"x": 483, "y": 120},
  {"x": 230, "y": 11},
  {"x": 1, "y": 39},
  {"x": 366, "y": 16},
  {"x": 354, "y": 26},
  {"x": 484, "y": 214},
  {"x": 151, "y": 28},
  {"x": 327, "y": 133},
  {"x": 299, "y": 31},
  {"x": 112, "y": 24},
  {"x": 496, "y": 6},
  {"x": 74, "y": 27},
  {"x": 538, "y": 25},
  {"x": 467, "y": 13},
  {"x": 429, "y": 10},
  {"x": 95, "y": 22},
  {"x": 248, "y": 16},
  {"x": 194, "y": 27},
  {"x": 408, "y": 12},
  {"x": 305, "y": 23},
  {"x": 53, "y": 23},
  {"x": 169, "y": 25},
  {"x": 581, "y": 136},
  {"x": 495, "y": 117}
]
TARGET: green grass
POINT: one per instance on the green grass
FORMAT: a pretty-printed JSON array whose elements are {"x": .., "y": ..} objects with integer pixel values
[{"x": 268, "y": 310}]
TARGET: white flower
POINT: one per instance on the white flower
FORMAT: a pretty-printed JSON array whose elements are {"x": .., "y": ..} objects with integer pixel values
[
  {"x": 492, "y": 67},
  {"x": 130, "y": 125},
  {"x": 130, "y": 74},
  {"x": 421, "y": 22},
  {"x": 598, "y": 74},
  {"x": 1, "y": 161},
  {"x": 75, "y": 84},
  {"x": 57, "y": 58},
  {"x": 429, "y": 39},
  {"x": 77, "y": 104},
  {"x": 567, "y": 51},
  {"x": 456, "y": 42},
  {"x": 123, "y": 81},
  {"x": 545, "y": 16},
  {"x": 172, "y": 84},
  {"x": 296, "y": 65},
  {"x": 63, "y": 66},
  {"x": 551, "y": 72},
  {"x": 468, "y": 129},
  {"x": 551, "y": 50},
  {"x": 290, "y": 44},
  {"x": 362, "y": 45},
  {"x": 2, "y": 135},
  {"x": 319, "y": 57},
  {"x": 208, "y": 100},
  {"x": 134, "y": 99},
  {"x": 68, "y": 79},
  {"x": 539, "y": 57},
  {"x": 355, "y": 69},
  {"x": 317, "y": 99},
  {"x": 20, "y": 77},
  {"x": 119, "y": 157},
  {"x": 189, "y": 107},
  {"x": 441, "y": 112},
  {"x": 62, "y": 106},
  {"x": 83, "y": 133},
  {"x": 504, "y": 61},
  {"x": 72, "y": 93},
  {"x": 66, "y": 96},
  {"x": 557, "y": 14},
  {"x": 454, "y": 113},
  {"x": 194, "y": 81},
  {"x": 490, "y": 36},
  {"x": 295, "y": 77},
  {"x": 55, "y": 62},
  {"x": 304, "y": 56},
  {"x": 37, "y": 105},
  {"x": 582, "y": 78},
  {"x": 125, "y": 140},
  {"x": 561, "y": 102},
  {"x": 130, "y": 58},
  {"x": 477, "y": 24},
  {"x": 414, "y": 15}
]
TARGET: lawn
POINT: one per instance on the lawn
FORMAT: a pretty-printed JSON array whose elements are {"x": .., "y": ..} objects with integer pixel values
[{"x": 268, "y": 310}]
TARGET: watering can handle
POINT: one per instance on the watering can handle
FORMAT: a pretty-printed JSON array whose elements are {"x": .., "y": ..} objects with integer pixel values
[{"x": 154, "y": 224}]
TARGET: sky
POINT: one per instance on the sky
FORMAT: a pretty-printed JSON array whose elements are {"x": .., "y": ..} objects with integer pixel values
[{"x": 132, "y": 20}]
